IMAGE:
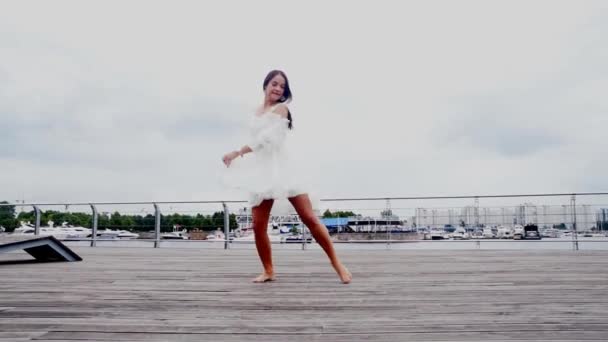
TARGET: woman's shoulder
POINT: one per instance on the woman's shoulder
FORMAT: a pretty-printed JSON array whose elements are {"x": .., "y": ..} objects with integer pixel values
[{"x": 281, "y": 109}]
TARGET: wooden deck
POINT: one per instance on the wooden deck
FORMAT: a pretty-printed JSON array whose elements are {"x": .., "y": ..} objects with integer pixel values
[{"x": 147, "y": 294}]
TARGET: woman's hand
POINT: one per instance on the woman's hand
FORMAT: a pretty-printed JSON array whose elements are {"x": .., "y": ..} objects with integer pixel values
[{"x": 229, "y": 157}]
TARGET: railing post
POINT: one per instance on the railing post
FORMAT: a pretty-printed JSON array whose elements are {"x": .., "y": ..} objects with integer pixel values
[
  {"x": 226, "y": 225},
  {"x": 156, "y": 226},
  {"x": 574, "y": 232},
  {"x": 94, "y": 228},
  {"x": 303, "y": 236},
  {"x": 37, "y": 222}
]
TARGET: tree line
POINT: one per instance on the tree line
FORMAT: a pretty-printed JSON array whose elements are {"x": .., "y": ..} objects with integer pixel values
[{"x": 10, "y": 220}]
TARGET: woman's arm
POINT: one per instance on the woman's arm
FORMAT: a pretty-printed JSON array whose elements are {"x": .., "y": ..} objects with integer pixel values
[
  {"x": 230, "y": 156},
  {"x": 272, "y": 135},
  {"x": 244, "y": 150}
]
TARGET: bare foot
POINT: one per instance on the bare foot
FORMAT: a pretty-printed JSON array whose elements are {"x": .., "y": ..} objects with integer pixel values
[
  {"x": 264, "y": 277},
  {"x": 344, "y": 274}
]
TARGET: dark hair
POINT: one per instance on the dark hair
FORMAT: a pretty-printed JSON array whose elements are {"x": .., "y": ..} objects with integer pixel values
[{"x": 287, "y": 95}]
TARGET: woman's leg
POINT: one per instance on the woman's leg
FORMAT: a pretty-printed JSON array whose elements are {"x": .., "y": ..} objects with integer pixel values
[
  {"x": 261, "y": 214},
  {"x": 303, "y": 207}
]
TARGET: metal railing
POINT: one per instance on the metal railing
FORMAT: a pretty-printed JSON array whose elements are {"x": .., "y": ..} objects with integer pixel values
[
  {"x": 420, "y": 213},
  {"x": 95, "y": 214}
]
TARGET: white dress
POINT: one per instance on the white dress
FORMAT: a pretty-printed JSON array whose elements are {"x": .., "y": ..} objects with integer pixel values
[{"x": 269, "y": 172}]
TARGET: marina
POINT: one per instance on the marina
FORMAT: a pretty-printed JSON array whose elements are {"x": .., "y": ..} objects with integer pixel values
[
  {"x": 456, "y": 222},
  {"x": 354, "y": 232}
]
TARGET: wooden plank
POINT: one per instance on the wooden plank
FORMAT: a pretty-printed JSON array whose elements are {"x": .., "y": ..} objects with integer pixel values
[
  {"x": 381, "y": 336},
  {"x": 132, "y": 294}
]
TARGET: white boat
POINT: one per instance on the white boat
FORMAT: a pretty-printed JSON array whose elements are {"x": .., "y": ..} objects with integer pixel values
[
  {"x": 72, "y": 232},
  {"x": 251, "y": 237},
  {"x": 126, "y": 235},
  {"x": 460, "y": 234},
  {"x": 488, "y": 233},
  {"x": 110, "y": 234},
  {"x": 550, "y": 233},
  {"x": 593, "y": 235},
  {"x": 175, "y": 235},
  {"x": 217, "y": 235},
  {"x": 61, "y": 233},
  {"x": 296, "y": 239},
  {"x": 504, "y": 232},
  {"x": 276, "y": 232},
  {"x": 25, "y": 228},
  {"x": 518, "y": 232},
  {"x": 436, "y": 234},
  {"x": 476, "y": 234}
]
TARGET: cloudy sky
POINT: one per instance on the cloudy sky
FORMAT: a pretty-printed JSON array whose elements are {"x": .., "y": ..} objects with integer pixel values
[{"x": 138, "y": 100}]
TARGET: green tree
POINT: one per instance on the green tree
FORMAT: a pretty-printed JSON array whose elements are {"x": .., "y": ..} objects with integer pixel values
[
  {"x": 217, "y": 219},
  {"x": 198, "y": 222},
  {"x": 148, "y": 222},
  {"x": 7, "y": 217},
  {"x": 329, "y": 214},
  {"x": 80, "y": 219},
  {"x": 233, "y": 224},
  {"x": 103, "y": 221},
  {"x": 26, "y": 216},
  {"x": 116, "y": 221},
  {"x": 127, "y": 222}
]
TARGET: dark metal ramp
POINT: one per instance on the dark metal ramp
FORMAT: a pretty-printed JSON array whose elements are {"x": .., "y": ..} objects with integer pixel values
[{"x": 45, "y": 248}]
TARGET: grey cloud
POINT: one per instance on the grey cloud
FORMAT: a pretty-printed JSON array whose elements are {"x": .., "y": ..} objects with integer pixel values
[
  {"x": 79, "y": 114},
  {"x": 548, "y": 114},
  {"x": 507, "y": 141},
  {"x": 508, "y": 132},
  {"x": 206, "y": 117},
  {"x": 90, "y": 99}
]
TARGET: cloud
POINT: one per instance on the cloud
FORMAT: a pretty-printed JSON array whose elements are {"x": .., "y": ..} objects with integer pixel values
[{"x": 390, "y": 99}]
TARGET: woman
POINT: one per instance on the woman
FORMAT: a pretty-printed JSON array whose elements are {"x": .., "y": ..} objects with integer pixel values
[{"x": 269, "y": 175}]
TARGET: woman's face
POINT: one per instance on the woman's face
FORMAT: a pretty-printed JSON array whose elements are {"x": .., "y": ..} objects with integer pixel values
[{"x": 275, "y": 88}]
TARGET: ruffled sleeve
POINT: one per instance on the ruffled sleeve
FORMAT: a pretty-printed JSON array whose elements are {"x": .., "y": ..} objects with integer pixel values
[{"x": 271, "y": 135}]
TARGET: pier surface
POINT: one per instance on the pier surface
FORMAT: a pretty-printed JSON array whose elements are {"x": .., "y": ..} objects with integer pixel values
[{"x": 170, "y": 294}]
